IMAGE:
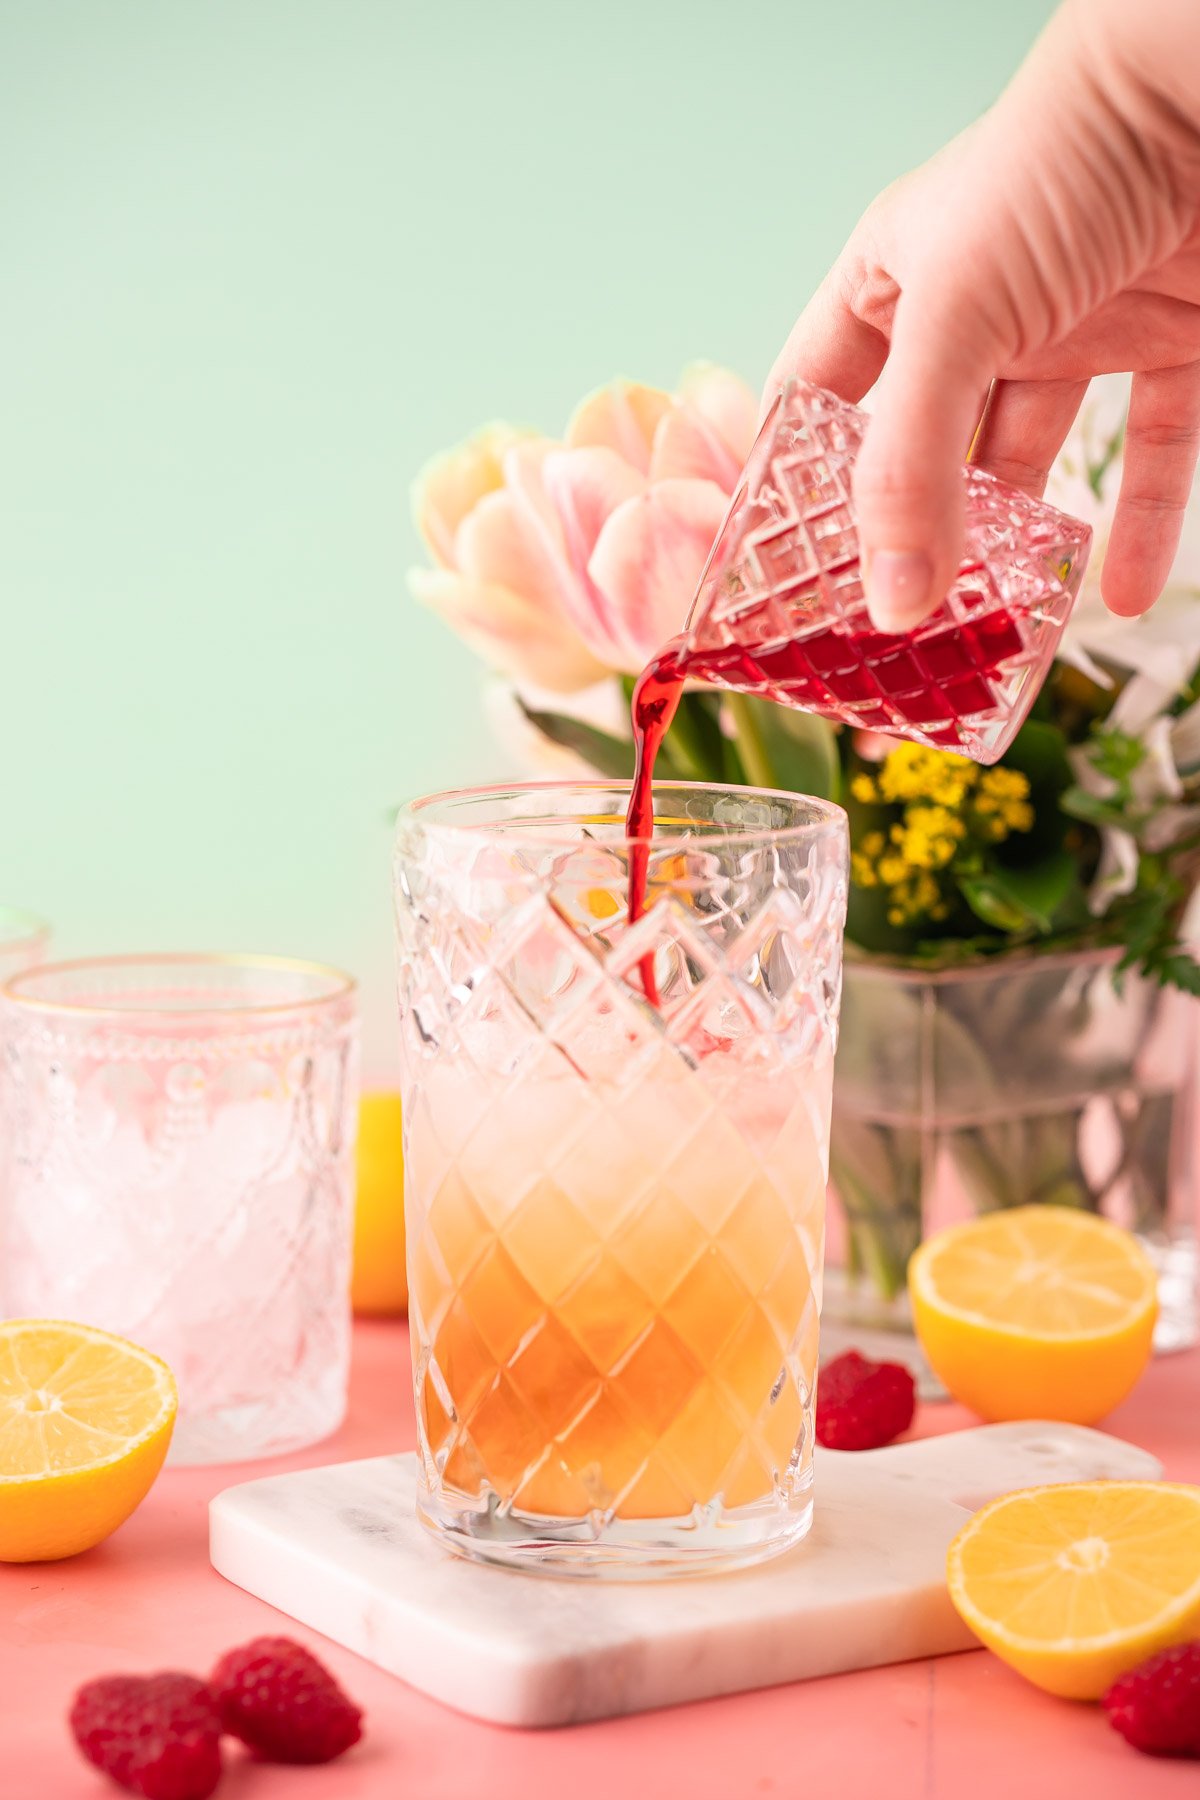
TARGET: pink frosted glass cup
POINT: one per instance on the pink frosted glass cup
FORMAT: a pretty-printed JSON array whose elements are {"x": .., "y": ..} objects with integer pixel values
[{"x": 180, "y": 1171}]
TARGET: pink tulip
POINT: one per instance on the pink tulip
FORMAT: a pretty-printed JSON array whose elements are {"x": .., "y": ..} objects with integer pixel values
[
  {"x": 560, "y": 561},
  {"x": 872, "y": 746}
]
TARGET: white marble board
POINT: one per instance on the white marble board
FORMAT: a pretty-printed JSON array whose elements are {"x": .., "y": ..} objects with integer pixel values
[{"x": 340, "y": 1550}]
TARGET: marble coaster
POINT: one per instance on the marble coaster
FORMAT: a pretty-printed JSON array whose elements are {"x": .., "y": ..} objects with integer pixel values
[{"x": 340, "y": 1550}]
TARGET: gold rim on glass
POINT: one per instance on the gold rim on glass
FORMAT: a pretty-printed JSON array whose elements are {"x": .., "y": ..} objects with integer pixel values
[{"x": 340, "y": 985}]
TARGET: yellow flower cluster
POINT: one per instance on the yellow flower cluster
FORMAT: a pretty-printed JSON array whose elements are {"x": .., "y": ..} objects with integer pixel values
[
  {"x": 915, "y": 772},
  {"x": 1003, "y": 800},
  {"x": 948, "y": 805}
]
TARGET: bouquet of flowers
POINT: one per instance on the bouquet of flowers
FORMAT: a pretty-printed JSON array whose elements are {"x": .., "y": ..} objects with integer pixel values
[{"x": 567, "y": 562}]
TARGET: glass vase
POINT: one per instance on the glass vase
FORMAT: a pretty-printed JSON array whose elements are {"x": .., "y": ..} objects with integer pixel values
[{"x": 1026, "y": 1079}]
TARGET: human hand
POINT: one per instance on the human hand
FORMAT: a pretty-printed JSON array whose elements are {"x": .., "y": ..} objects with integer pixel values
[{"x": 1058, "y": 238}]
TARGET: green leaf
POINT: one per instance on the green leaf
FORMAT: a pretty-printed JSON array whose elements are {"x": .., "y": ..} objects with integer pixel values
[
  {"x": 1098, "y": 470},
  {"x": 733, "y": 770},
  {"x": 987, "y": 903},
  {"x": 608, "y": 755},
  {"x": 1177, "y": 969},
  {"x": 1021, "y": 900},
  {"x": 747, "y": 713},
  {"x": 1039, "y": 752},
  {"x": 786, "y": 748},
  {"x": 1148, "y": 921},
  {"x": 804, "y": 750},
  {"x": 697, "y": 744},
  {"x": 868, "y": 926},
  {"x": 1077, "y": 803},
  {"x": 1116, "y": 754},
  {"x": 951, "y": 953}
]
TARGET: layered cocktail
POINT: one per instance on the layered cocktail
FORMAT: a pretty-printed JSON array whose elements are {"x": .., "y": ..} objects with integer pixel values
[{"x": 615, "y": 1197}]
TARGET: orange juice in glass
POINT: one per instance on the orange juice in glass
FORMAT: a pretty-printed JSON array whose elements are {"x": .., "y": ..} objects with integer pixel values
[{"x": 615, "y": 1207}]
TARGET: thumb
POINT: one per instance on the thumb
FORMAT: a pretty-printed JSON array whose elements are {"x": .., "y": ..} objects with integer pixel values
[{"x": 908, "y": 486}]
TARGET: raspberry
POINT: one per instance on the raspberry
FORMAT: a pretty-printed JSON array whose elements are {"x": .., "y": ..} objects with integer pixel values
[
  {"x": 1156, "y": 1707},
  {"x": 862, "y": 1404},
  {"x": 276, "y": 1697},
  {"x": 156, "y": 1735}
]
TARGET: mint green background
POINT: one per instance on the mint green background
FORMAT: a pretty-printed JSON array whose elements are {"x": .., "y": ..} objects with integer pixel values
[{"x": 261, "y": 258}]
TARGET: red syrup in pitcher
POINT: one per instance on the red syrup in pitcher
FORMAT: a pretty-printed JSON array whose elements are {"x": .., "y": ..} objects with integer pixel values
[
  {"x": 929, "y": 682},
  {"x": 781, "y": 611}
]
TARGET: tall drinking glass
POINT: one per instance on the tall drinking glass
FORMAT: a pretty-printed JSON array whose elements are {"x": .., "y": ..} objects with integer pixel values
[
  {"x": 616, "y": 1207},
  {"x": 180, "y": 1173}
]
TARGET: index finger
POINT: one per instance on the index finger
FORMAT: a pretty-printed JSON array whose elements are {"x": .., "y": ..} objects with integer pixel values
[{"x": 830, "y": 346}]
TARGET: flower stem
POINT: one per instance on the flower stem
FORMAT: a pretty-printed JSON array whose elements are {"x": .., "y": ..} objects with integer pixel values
[
  {"x": 686, "y": 747},
  {"x": 750, "y": 742}
]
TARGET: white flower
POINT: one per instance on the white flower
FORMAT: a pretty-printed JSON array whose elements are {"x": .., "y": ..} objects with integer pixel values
[
  {"x": 1156, "y": 782},
  {"x": 1185, "y": 740},
  {"x": 1086, "y": 479},
  {"x": 1160, "y": 650},
  {"x": 1155, "y": 788},
  {"x": 1116, "y": 872},
  {"x": 1087, "y": 473}
]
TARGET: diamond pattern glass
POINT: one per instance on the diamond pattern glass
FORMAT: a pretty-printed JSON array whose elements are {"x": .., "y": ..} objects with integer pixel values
[
  {"x": 179, "y": 1172},
  {"x": 615, "y": 1208},
  {"x": 781, "y": 612}
]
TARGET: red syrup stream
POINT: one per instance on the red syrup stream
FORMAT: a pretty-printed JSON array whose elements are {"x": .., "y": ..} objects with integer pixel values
[
  {"x": 842, "y": 673},
  {"x": 654, "y": 704}
]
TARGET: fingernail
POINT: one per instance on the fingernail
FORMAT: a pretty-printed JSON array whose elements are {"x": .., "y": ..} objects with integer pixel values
[{"x": 898, "y": 584}]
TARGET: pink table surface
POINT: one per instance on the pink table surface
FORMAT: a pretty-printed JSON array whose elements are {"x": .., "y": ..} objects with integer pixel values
[{"x": 958, "y": 1726}]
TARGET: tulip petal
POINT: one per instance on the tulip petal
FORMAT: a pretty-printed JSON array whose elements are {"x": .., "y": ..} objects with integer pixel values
[
  {"x": 725, "y": 402},
  {"x": 450, "y": 485},
  {"x": 515, "y": 635},
  {"x": 498, "y": 545},
  {"x": 623, "y": 417},
  {"x": 565, "y": 516},
  {"x": 585, "y": 488},
  {"x": 513, "y": 540},
  {"x": 525, "y": 476},
  {"x": 687, "y": 447},
  {"x": 648, "y": 561}
]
